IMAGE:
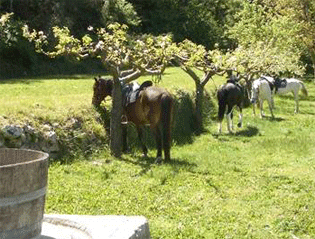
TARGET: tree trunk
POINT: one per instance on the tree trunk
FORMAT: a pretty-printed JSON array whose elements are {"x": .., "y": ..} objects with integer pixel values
[
  {"x": 312, "y": 53},
  {"x": 115, "y": 123},
  {"x": 199, "y": 103}
]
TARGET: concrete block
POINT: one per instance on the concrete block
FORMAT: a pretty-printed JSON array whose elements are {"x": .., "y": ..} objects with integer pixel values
[{"x": 94, "y": 227}]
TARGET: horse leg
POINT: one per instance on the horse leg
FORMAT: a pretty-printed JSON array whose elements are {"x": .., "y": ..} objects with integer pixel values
[
  {"x": 221, "y": 112},
  {"x": 167, "y": 114},
  {"x": 220, "y": 127},
  {"x": 261, "y": 105},
  {"x": 270, "y": 107},
  {"x": 232, "y": 125},
  {"x": 229, "y": 117},
  {"x": 254, "y": 111},
  {"x": 272, "y": 101},
  {"x": 158, "y": 139},
  {"x": 124, "y": 138},
  {"x": 140, "y": 136},
  {"x": 240, "y": 118}
]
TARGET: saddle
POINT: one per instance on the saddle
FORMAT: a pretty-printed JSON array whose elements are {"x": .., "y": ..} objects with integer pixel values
[
  {"x": 235, "y": 82},
  {"x": 130, "y": 92},
  {"x": 280, "y": 83}
]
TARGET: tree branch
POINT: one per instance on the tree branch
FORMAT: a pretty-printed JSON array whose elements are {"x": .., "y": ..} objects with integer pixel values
[{"x": 130, "y": 77}]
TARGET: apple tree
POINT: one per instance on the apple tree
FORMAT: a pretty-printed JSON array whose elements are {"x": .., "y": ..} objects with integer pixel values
[{"x": 126, "y": 57}]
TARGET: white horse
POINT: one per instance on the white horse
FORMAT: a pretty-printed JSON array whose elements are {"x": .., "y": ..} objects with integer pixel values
[
  {"x": 262, "y": 91},
  {"x": 291, "y": 85}
]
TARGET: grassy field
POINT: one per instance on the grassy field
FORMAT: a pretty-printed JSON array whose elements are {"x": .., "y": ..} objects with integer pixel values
[{"x": 256, "y": 183}]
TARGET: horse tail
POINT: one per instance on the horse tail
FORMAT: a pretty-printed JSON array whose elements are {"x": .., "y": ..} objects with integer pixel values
[
  {"x": 304, "y": 90},
  {"x": 221, "y": 95},
  {"x": 167, "y": 119}
]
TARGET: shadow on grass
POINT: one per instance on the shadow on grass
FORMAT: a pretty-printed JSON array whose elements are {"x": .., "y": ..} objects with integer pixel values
[
  {"x": 276, "y": 119},
  {"x": 146, "y": 163},
  {"x": 250, "y": 131}
]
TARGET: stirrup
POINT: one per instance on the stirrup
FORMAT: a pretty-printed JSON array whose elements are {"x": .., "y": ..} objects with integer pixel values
[{"x": 124, "y": 120}]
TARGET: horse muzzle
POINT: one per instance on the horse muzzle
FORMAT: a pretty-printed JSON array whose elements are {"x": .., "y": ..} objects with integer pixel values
[{"x": 96, "y": 102}]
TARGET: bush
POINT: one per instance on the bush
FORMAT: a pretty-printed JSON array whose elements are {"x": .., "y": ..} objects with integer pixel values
[{"x": 184, "y": 121}]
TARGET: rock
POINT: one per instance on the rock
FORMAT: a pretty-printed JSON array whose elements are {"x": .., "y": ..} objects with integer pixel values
[
  {"x": 12, "y": 131},
  {"x": 13, "y": 135},
  {"x": 30, "y": 133},
  {"x": 46, "y": 127},
  {"x": 73, "y": 123},
  {"x": 55, "y": 125},
  {"x": 49, "y": 143}
]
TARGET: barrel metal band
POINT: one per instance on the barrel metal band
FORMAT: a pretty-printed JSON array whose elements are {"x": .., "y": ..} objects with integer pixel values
[
  {"x": 34, "y": 230},
  {"x": 22, "y": 198}
]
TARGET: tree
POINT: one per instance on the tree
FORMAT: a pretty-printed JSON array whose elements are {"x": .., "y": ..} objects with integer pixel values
[
  {"x": 119, "y": 11},
  {"x": 16, "y": 53},
  {"x": 267, "y": 43},
  {"x": 201, "y": 21},
  {"x": 192, "y": 58},
  {"x": 302, "y": 13},
  {"x": 117, "y": 50},
  {"x": 77, "y": 16}
]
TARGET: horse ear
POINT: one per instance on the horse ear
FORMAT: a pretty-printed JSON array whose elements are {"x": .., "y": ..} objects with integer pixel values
[{"x": 96, "y": 80}]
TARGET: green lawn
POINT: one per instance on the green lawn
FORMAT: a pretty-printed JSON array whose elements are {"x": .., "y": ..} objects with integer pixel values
[{"x": 256, "y": 183}]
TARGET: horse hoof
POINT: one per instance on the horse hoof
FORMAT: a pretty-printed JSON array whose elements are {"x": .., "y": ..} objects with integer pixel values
[
  {"x": 239, "y": 125},
  {"x": 144, "y": 155},
  {"x": 158, "y": 160}
]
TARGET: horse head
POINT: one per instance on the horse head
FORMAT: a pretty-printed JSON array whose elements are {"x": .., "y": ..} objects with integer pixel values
[{"x": 101, "y": 89}]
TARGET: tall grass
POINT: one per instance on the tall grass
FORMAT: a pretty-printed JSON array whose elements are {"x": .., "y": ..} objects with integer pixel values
[{"x": 256, "y": 183}]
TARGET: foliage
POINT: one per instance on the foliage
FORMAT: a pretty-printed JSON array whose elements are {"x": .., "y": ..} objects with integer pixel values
[
  {"x": 201, "y": 21},
  {"x": 113, "y": 46},
  {"x": 119, "y": 11},
  {"x": 43, "y": 15},
  {"x": 259, "y": 58},
  {"x": 9, "y": 30},
  {"x": 16, "y": 53},
  {"x": 303, "y": 13},
  {"x": 267, "y": 42}
]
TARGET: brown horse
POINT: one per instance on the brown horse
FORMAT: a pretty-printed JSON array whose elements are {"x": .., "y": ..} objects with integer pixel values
[{"x": 152, "y": 105}]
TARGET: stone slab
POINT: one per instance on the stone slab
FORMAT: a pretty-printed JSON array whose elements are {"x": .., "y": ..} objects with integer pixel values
[{"x": 94, "y": 227}]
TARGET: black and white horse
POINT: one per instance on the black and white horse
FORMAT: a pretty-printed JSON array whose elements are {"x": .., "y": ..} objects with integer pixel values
[
  {"x": 230, "y": 95},
  {"x": 284, "y": 86},
  {"x": 291, "y": 85}
]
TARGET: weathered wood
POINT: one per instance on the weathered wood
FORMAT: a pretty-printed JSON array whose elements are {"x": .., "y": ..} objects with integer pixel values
[{"x": 23, "y": 180}]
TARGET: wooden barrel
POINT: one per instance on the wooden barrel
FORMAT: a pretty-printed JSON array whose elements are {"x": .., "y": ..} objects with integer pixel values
[{"x": 23, "y": 180}]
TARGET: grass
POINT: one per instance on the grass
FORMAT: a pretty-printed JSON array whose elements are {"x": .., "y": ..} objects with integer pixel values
[{"x": 256, "y": 183}]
